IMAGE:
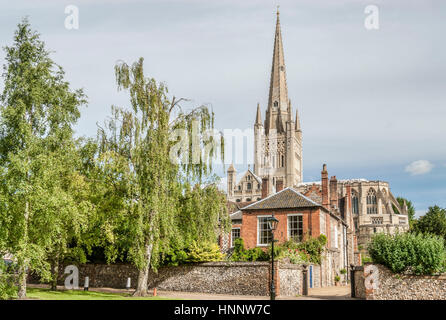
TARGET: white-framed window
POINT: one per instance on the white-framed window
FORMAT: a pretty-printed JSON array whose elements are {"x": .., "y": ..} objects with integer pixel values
[
  {"x": 235, "y": 234},
  {"x": 264, "y": 235},
  {"x": 336, "y": 244},
  {"x": 295, "y": 227},
  {"x": 334, "y": 235},
  {"x": 323, "y": 223}
]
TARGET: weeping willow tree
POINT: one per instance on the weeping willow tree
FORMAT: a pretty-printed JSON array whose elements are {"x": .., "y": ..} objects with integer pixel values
[{"x": 153, "y": 150}]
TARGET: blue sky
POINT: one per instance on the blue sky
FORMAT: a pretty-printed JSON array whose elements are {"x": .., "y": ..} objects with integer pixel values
[{"x": 371, "y": 102}]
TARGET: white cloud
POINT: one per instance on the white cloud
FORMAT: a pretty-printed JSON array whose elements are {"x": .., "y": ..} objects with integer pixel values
[{"x": 419, "y": 167}]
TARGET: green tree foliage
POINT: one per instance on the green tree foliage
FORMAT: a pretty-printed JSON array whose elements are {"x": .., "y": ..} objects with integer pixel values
[
  {"x": 135, "y": 157},
  {"x": 433, "y": 222},
  {"x": 37, "y": 184},
  {"x": 8, "y": 289},
  {"x": 410, "y": 209},
  {"x": 415, "y": 253}
]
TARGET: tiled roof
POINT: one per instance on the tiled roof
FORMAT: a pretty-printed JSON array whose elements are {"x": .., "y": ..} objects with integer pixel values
[
  {"x": 287, "y": 198},
  {"x": 236, "y": 215}
]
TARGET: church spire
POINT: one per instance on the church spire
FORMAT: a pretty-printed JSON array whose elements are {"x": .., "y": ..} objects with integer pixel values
[
  {"x": 258, "y": 116},
  {"x": 278, "y": 91}
]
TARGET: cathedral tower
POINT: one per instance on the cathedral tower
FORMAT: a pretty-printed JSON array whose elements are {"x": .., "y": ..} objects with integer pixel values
[{"x": 278, "y": 142}]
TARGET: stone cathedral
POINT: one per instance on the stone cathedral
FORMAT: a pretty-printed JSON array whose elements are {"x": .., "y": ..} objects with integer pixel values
[{"x": 278, "y": 164}]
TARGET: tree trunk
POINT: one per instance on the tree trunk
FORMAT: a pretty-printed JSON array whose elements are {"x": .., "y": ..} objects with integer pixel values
[
  {"x": 143, "y": 276},
  {"x": 23, "y": 265},
  {"x": 22, "y": 283},
  {"x": 55, "y": 273}
]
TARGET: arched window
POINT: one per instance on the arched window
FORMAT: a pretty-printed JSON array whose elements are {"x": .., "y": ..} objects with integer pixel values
[
  {"x": 248, "y": 199},
  {"x": 372, "y": 206},
  {"x": 238, "y": 200},
  {"x": 283, "y": 161},
  {"x": 249, "y": 186},
  {"x": 276, "y": 104},
  {"x": 259, "y": 199},
  {"x": 355, "y": 203}
]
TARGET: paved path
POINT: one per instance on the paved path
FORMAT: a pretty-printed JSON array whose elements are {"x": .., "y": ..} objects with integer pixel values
[{"x": 327, "y": 293}]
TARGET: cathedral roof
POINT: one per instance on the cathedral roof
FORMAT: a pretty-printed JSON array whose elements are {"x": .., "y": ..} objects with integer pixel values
[{"x": 286, "y": 199}]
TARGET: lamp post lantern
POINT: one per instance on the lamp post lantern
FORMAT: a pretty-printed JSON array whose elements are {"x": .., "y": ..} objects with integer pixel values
[{"x": 272, "y": 225}]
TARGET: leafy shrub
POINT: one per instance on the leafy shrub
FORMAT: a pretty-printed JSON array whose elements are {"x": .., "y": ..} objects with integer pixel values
[
  {"x": 416, "y": 253},
  {"x": 242, "y": 254},
  {"x": 205, "y": 252},
  {"x": 7, "y": 288},
  {"x": 343, "y": 271},
  {"x": 308, "y": 251},
  {"x": 337, "y": 278}
]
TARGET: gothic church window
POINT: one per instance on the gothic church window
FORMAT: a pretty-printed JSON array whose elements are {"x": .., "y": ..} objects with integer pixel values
[
  {"x": 372, "y": 207},
  {"x": 276, "y": 104},
  {"x": 248, "y": 186},
  {"x": 355, "y": 203}
]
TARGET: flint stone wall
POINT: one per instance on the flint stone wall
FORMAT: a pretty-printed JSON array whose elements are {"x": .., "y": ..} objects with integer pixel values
[
  {"x": 393, "y": 286},
  {"x": 291, "y": 279},
  {"x": 236, "y": 278}
]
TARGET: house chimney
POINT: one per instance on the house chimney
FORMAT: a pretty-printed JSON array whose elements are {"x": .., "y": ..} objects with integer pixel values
[
  {"x": 334, "y": 192},
  {"x": 279, "y": 185},
  {"x": 265, "y": 187},
  {"x": 348, "y": 206},
  {"x": 324, "y": 181}
]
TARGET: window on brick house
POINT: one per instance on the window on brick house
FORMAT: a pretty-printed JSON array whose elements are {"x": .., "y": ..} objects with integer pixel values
[
  {"x": 372, "y": 206},
  {"x": 295, "y": 227},
  {"x": 264, "y": 235},
  {"x": 235, "y": 234}
]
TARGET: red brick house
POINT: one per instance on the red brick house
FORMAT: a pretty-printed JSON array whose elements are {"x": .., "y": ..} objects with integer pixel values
[{"x": 317, "y": 212}]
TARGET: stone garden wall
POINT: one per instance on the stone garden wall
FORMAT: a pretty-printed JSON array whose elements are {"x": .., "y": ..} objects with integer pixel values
[
  {"x": 237, "y": 278},
  {"x": 291, "y": 279},
  {"x": 391, "y": 286}
]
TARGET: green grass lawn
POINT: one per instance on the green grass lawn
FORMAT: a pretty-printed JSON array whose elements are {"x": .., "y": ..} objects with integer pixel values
[{"x": 46, "y": 294}]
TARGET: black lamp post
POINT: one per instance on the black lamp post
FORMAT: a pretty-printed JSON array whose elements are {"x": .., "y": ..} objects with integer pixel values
[{"x": 272, "y": 224}]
